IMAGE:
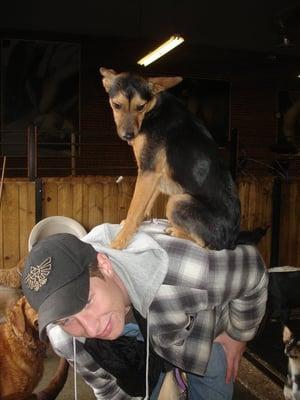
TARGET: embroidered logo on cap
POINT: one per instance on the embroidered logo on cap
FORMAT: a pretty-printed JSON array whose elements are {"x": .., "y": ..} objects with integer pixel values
[{"x": 38, "y": 275}]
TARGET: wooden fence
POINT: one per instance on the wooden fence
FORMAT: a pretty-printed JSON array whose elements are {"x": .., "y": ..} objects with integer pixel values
[
  {"x": 93, "y": 200},
  {"x": 256, "y": 203},
  {"x": 289, "y": 248},
  {"x": 17, "y": 217}
]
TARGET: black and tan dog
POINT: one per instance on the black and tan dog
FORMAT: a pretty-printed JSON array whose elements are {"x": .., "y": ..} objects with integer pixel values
[
  {"x": 175, "y": 155},
  {"x": 291, "y": 340}
]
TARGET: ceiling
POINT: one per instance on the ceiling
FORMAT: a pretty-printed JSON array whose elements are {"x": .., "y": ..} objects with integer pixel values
[{"x": 255, "y": 25}]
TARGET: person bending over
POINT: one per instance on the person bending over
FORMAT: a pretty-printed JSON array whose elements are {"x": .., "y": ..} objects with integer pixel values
[{"x": 196, "y": 309}]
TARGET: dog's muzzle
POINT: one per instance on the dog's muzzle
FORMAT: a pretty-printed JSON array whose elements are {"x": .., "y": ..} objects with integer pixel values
[
  {"x": 128, "y": 136},
  {"x": 290, "y": 346}
]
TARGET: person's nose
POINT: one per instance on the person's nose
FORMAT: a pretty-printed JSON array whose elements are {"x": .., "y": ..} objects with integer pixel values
[{"x": 89, "y": 324}]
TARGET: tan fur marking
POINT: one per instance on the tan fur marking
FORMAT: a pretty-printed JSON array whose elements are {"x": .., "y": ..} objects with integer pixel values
[
  {"x": 159, "y": 84},
  {"x": 147, "y": 213},
  {"x": 108, "y": 77},
  {"x": 180, "y": 233},
  {"x": 161, "y": 165},
  {"x": 138, "y": 144},
  {"x": 145, "y": 193},
  {"x": 127, "y": 116},
  {"x": 167, "y": 185},
  {"x": 161, "y": 161},
  {"x": 145, "y": 189},
  {"x": 148, "y": 186},
  {"x": 176, "y": 230},
  {"x": 173, "y": 231}
]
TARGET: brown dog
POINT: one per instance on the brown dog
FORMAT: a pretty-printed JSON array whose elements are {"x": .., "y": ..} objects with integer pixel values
[
  {"x": 175, "y": 155},
  {"x": 11, "y": 277},
  {"x": 22, "y": 357}
]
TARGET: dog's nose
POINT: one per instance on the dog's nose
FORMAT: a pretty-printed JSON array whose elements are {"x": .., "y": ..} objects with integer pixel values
[{"x": 128, "y": 136}]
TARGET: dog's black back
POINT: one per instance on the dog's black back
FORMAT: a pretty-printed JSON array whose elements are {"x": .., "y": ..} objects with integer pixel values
[{"x": 196, "y": 166}]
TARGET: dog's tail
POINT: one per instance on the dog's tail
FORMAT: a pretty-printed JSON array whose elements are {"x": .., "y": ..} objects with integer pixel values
[
  {"x": 57, "y": 382},
  {"x": 252, "y": 237}
]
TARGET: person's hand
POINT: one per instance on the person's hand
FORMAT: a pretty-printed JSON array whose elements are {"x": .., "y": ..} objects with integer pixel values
[{"x": 233, "y": 351}]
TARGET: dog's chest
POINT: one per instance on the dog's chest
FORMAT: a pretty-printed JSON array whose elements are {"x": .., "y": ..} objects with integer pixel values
[
  {"x": 292, "y": 386},
  {"x": 151, "y": 157},
  {"x": 168, "y": 186}
]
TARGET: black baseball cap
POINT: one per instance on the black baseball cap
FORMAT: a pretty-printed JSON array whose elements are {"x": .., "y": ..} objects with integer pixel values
[{"x": 55, "y": 279}]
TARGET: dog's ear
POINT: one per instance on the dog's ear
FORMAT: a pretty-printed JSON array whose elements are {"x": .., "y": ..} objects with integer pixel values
[
  {"x": 286, "y": 334},
  {"x": 16, "y": 316},
  {"x": 108, "y": 77},
  {"x": 160, "y": 84}
]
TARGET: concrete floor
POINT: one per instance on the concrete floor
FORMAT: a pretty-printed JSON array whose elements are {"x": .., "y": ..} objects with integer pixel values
[{"x": 84, "y": 392}]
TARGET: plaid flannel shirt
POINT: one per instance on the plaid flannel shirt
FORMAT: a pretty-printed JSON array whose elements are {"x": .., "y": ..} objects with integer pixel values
[{"x": 204, "y": 293}]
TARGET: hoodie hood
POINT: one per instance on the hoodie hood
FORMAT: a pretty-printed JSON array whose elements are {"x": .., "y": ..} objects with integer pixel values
[{"x": 141, "y": 283}]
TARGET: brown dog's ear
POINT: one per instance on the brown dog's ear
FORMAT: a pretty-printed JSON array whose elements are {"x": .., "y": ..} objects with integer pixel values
[
  {"x": 108, "y": 77},
  {"x": 160, "y": 84},
  {"x": 16, "y": 317},
  {"x": 286, "y": 334}
]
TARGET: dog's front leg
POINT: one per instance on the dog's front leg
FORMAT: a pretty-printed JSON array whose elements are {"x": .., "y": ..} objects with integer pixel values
[
  {"x": 151, "y": 202},
  {"x": 145, "y": 189},
  {"x": 149, "y": 206}
]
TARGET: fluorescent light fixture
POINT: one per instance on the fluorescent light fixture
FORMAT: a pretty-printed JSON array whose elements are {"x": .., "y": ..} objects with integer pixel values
[{"x": 174, "y": 41}]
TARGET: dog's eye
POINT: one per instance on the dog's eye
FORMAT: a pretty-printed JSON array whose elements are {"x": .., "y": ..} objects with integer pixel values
[
  {"x": 140, "y": 107},
  {"x": 117, "y": 106}
]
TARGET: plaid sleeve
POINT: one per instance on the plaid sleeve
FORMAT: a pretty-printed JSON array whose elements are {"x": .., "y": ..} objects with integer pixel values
[
  {"x": 245, "y": 314},
  {"x": 239, "y": 290},
  {"x": 103, "y": 384}
]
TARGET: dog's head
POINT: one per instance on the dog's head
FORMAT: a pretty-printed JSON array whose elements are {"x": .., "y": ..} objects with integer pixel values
[
  {"x": 291, "y": 342},
  {"x": 23, "y": 319},
  {"x": 131, "y": 97}
]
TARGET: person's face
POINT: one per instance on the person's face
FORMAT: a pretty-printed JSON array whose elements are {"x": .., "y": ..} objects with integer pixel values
[{"x": 103, "y": 317}]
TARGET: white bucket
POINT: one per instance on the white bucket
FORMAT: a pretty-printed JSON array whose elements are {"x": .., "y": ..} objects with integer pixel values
[{"x": 51, "y": 225}]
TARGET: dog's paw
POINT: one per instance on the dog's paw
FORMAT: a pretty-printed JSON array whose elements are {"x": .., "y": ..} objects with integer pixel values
[
  {"x": 179, "y": 233},
  {"x": 123, "y": 237},
  {"x": 147, "y": 214},
  {"x": 119, "y": 243},
  {"x": 169, "y": 230},
  {"x": 172, "y": 231}
]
